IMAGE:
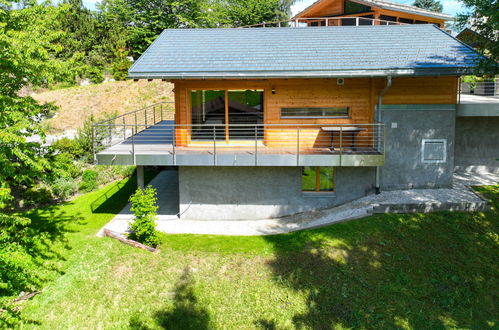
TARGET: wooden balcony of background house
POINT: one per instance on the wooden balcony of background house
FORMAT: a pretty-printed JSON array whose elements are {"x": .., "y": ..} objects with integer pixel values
[
  {"x": 478, "y": 99},
  {"x": 146, "y": 137},
  {"x": 343, "y": 20}
]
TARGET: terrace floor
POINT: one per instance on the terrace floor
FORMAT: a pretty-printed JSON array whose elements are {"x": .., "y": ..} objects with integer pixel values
[
  {"x": 478, "y": 99},
  {"x": 158, "y": 139}
]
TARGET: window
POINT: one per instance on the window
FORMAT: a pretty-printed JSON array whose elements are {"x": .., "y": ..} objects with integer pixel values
[
  {"x": 434, "y": 151},
  {"x": 327, "y": 112},
  {"x": 226, "y": 114},
  {"x": 317, "y": 179},
  {"x": 353, "y": 8}
]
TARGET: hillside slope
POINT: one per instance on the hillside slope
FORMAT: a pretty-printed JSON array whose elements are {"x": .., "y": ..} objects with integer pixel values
[{"x": 76, "y": 103}]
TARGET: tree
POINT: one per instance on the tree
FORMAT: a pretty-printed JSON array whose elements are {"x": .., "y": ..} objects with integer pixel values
[
  {"x": 433, "y": 5},
  {"x": 144, "y": 20},
  {"x": 237, "y": 13},
  {"x": 482, "y": 17}
]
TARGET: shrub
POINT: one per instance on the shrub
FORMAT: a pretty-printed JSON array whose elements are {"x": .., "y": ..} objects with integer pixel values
[
  {"x": 88, "y": 139},
  {"x": 94, "y": 74},
  {"x": 64, "y": 188},
  {"x": 144, "y": 209},
  {"x": 64, "y": 165},
  {"x": 69, "y": 146},
  {"x": 88, "y": 181},
  {"x": 40, "y": 193}
]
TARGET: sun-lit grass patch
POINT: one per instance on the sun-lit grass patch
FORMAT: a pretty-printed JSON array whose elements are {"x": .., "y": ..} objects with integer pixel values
[{"x": 386, "y": 271}]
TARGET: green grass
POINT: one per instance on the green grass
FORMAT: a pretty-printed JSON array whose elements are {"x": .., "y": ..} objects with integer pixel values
[{"x": 431, "y": 271}]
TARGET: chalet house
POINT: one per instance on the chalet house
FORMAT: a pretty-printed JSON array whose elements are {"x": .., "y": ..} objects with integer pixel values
[
  {"x": 275, "y": 121},
  {"x": 367, "y": 12}
]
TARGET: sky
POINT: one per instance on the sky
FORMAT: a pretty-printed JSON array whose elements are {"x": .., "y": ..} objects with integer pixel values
[{"x": 451, "y": 7}]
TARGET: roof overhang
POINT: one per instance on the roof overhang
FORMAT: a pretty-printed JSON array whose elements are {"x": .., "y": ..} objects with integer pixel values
[
  {"x": 303, "y": 74},
  {"x": 386, "y": 6}
]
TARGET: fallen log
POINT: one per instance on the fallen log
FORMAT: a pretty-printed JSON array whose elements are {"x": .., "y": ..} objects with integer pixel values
[
  {"x": 26, "y": 296},
  {"x": 126, "y": 240}
]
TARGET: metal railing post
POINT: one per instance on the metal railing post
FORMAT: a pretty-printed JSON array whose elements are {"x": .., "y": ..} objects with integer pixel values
[
  {"x": 145, "y": 118},
  {"x": 357, "y": 21},
  {"x": 214, "y": 146},
  {"x": 341, "y": 144},
  {"x": 133, "y": 146},
  {"x": 135, "y": 120},
  {"x": 161, "y": 111},
  {"x": 124, "y": 128},
  {"x": 154, "y": 114},
  {"x": 93, "y": 144},
  {"x": 297, "y": 146},
  {"x": 174, "y": 141},
  {"x": 256, "y": 145}
]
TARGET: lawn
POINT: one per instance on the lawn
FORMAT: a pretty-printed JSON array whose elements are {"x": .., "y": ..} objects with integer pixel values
[{"x": 385, "y": 271}]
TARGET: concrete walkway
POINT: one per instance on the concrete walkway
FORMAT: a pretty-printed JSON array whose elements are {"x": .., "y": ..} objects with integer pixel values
[{"x": 460, "y": 198}]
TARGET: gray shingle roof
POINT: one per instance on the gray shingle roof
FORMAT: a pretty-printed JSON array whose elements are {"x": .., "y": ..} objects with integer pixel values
[
  {"x": 347, "y": 51},
  {"x": 383, "y": 4}
]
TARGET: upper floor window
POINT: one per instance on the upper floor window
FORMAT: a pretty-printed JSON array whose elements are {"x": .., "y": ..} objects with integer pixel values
[
  {"x": 316, "y": 112},
  {"x": 353, "y": 7}
]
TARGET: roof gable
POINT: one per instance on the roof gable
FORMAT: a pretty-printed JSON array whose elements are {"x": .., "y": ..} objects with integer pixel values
[
  {"x": 399, "y": 50},
  {"x": 383, "y": 5}
]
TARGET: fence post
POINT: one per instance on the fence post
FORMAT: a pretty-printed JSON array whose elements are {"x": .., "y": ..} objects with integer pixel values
[{"x": 154, "y": 114}]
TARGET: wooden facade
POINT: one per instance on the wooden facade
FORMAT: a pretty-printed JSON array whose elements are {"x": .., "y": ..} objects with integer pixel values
[
  {"x": 336, "y": 9},
  {"x": 358, "y": 94}
]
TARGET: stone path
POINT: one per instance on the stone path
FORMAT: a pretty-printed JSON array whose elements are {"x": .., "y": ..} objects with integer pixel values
[{"x": 415, "y": 200}]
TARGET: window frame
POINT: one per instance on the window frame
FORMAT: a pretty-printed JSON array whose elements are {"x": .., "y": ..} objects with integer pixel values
[
  {"x": 318, "y": 181},
  {"x": 347, "y": 116}
]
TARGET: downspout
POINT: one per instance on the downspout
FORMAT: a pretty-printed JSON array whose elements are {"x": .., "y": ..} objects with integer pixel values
[{"x": 378, "y": 118}]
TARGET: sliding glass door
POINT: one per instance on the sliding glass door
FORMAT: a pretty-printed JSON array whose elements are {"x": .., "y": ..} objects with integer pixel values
[{"x": 227, "y": 114}]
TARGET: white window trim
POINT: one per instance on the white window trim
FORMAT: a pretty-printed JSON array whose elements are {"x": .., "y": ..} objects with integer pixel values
[{"x": 437, "y": 161}]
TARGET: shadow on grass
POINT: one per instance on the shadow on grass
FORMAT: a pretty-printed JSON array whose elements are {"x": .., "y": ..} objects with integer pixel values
[
  {"x": 111, "y": 201},
  {"x": 185, "y": 314},
  {"x": 394, "y": 271}
]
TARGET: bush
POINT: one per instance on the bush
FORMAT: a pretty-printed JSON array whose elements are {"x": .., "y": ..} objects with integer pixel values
[
  {"x": 64, "y": 165},
  {"x": 69, "y": 146},
  {"x": 94, "y": 74},
  {"x": 38, "y": 194},
  {"x": 144, "y": 209},
  {"x": 87, "y": 138},
  {"x": 88, "y": 181},
  {"x": 64, "y": 188}
]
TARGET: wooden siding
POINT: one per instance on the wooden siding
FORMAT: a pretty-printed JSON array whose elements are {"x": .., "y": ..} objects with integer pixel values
[
  {"x": 359, "y": 94},
  {"x": 327, "y": 8}
]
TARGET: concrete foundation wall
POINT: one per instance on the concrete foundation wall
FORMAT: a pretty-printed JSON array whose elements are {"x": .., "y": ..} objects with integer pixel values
[
  {"x": 234, "y": 193},
  {"x": 477, "y": 144},
  {"x": 406, "y": 127}
]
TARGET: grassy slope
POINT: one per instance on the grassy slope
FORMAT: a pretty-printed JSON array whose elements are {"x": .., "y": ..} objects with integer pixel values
[
  {"x": 76, "y": 103},
  {"x": 409, "y": 271}
]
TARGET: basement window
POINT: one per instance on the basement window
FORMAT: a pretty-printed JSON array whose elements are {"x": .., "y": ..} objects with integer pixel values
[
  {"x": 317, "y": 179},
  {"x": 325, "y": 112},
  {"x": 434, "y": 151}
]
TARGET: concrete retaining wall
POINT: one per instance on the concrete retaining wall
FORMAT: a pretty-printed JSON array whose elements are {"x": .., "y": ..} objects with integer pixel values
[
  {"x": 477, "y": 144},
  {"x": 234, "y": 193},
  {"x": 406, "y": 127}
]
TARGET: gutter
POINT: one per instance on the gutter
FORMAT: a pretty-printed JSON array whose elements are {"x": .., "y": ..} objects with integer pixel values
[{"x": 377, "y": 116}]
